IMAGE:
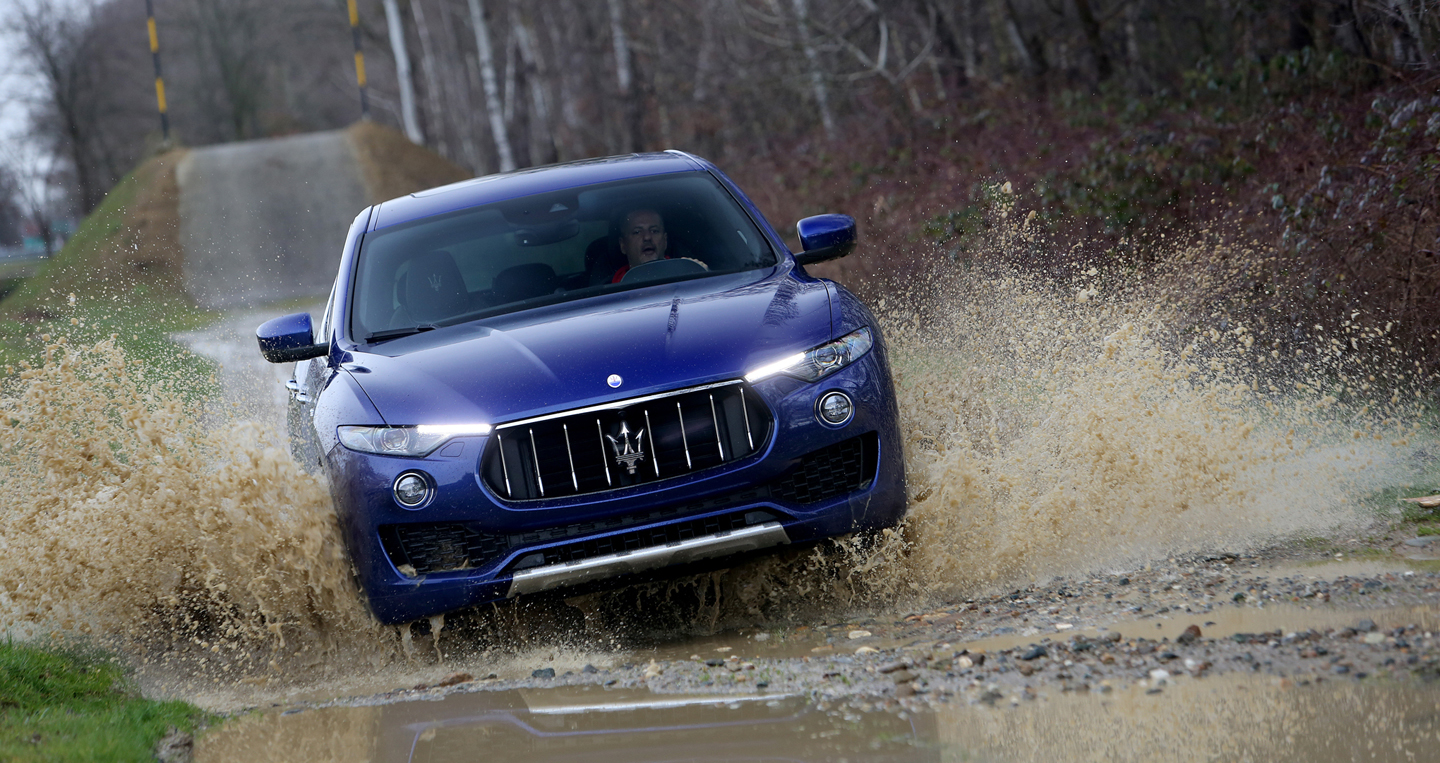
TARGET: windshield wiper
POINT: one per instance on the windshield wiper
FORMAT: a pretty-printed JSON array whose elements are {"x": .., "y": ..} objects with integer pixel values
[{"x": 380, "y": 336}]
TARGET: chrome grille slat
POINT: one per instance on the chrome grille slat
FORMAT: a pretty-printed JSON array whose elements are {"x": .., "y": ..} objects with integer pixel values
[
  {"x": 500, "y": 442},
  {"x": 650, "y": 432},
  {"x": 570, "y": 455},
  {"x": 604, "y": 462},
  {"x": 683, "y": 439},
  {"x": 548, "y": 464},
  {"x": 539, "y": 480},
  {"x": 715, "y": 420}
]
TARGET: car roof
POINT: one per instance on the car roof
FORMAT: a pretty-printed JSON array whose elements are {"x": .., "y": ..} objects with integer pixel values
[{"x": 510, "y": 185}]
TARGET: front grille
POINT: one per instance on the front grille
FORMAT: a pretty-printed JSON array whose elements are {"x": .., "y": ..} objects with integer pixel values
[
  {"x": 625, "y": 443},
  {"x": 819, "y": 475}
]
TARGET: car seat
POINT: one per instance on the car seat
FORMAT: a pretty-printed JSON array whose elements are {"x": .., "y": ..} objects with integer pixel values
[
  {"x": 533, "y": 279},
  {"x": 602, "y": 259},
  {"x": 433, "y": 288}
]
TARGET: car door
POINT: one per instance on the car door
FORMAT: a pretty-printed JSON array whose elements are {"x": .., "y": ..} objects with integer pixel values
[{"x": 310, "y": 378}]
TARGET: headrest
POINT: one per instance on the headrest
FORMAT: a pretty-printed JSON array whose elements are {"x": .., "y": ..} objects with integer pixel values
[
  {"x": 533, "y": 279},
  {"x": 434, "y": 289}
]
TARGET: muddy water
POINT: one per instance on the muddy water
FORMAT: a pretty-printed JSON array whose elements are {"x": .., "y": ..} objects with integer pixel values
[
  {"x": 1224, "y": 718},
  {"x": 1050, "y": 430}
]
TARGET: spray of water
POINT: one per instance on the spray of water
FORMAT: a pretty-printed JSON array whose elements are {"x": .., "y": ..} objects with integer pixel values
[{"x": 1053, "y": 427}]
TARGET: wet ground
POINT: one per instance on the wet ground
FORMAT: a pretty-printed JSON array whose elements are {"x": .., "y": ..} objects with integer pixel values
[
  {"x": 1324, "y": 652},
  {"x": 1286, "y": 656}
]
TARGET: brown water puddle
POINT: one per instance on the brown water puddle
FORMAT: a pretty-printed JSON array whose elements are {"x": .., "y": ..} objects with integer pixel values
[
  {"x": 1231, "y": 717},
  {"x": 570, "y": 724}
]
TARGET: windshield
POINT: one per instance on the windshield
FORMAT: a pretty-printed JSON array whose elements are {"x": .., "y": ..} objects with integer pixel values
[{"x": 549, "y": 248}]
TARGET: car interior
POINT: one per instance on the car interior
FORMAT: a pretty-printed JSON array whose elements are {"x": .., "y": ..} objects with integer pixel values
[{"x": 544, "y": 249}]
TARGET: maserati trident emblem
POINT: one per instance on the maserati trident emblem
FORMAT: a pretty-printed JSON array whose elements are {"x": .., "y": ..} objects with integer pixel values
[
  {"x": 614, "y": 380},
  {"x": 628, "y": 452},
  {"x": 435, "y": 281}
]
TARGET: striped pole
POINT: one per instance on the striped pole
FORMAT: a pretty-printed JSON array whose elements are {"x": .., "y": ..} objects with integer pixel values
[
  {"x": 359, "y": 58},
  {"x": 159, "y": 79}
]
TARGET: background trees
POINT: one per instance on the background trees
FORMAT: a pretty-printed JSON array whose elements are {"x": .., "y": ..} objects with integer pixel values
[{"x": 498, "y": 82}]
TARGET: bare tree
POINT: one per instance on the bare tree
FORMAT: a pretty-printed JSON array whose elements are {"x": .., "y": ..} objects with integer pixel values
[
  {"x": 493, "y": 106},
  {"x": 402, "y": 72}
]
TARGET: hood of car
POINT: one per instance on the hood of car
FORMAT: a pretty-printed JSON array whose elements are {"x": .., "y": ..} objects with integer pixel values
[{"x": 563, "y": 356}]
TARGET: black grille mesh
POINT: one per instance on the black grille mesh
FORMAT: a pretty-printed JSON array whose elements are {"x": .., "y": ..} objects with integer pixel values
[{"x": 820, "y": 475}]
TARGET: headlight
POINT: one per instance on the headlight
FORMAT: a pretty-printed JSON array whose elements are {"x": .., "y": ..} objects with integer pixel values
[
  {"x": 405, "y": 441},
  {"x": 819, "y": 362}
]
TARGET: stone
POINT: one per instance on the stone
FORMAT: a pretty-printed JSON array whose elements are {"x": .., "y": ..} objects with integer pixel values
[
  {"x": 1374, "y": 637},
  {"x": 1035, "y": 651},
  {"x": 859, "y": 634},
  {"x": 714, "y": 663},
  {"x": 762, "y": 637},
  {"x": 867, "y": 650},
  {"x": 460, "y": 678},
  {"x": 893, "y": 667},
  {"x": 902, "y": 676},
  {"x": 543, "y": 673},
  {"x": 964, "y": 662},
  {"x": 653, "y": 669},
  {"x": 1420, "y": 542},
  {"x": 1189, "y": 636},
  {"x": 1167, "y": 656},
  {"x": 1160, "y": 677},
  {"x": 176, "y": 747},
  {"x": 589, "y": 669},
  {"x": 1113, "y": 637},
  {"x": 1365, "y": 626}
]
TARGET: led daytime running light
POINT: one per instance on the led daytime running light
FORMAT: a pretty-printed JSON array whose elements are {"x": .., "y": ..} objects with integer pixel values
[
  {"x": 820, "y": 361},
  {"x": 412, "y": 441}
]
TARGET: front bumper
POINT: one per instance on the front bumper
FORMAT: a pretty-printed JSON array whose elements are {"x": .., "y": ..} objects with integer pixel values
[{"x": 760, "y": 502}]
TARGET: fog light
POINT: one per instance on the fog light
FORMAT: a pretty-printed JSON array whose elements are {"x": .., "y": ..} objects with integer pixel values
[
  {"x": 412, "y": 490},
  {"x": 835, "y": 408}
]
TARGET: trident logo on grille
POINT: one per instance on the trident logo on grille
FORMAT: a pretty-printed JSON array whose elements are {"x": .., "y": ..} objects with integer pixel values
[{"x": 627, "y": 452}]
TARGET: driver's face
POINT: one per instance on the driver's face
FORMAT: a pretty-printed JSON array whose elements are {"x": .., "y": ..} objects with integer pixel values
[{"x": 643, "y": 238}]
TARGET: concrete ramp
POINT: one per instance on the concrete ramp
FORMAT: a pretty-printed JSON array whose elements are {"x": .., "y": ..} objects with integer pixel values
[{"x": 265, "y": 220}]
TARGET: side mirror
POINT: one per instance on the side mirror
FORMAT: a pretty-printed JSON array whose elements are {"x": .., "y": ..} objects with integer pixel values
[
  {"x": 288, "y": 339},
  {"x": 825, "y": 237}
]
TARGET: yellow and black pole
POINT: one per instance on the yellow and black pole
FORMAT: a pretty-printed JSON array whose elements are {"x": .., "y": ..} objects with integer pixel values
[
  {"x": 159, "y": 79},
  {"x": 359, "y": 58}
]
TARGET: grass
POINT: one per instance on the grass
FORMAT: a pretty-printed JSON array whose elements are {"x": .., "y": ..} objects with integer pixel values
[
  {"x": 121, "y": 274},
  {"x": 71, "y": 706}
]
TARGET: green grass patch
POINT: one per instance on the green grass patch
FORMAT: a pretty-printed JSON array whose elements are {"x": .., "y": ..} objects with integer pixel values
[
  {"x": 120, "y": 275},
  {"x": 71, "y": 706}
]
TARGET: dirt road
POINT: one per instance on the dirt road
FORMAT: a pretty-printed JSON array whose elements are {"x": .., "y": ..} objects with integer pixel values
[{"x": 265, "y": 220}]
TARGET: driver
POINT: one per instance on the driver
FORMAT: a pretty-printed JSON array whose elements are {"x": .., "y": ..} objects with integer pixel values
[{"x": 642, "y": 240}]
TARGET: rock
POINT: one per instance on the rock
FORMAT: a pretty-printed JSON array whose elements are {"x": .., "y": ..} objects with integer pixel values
[
  {"x": 867, "y": 650},
  {"x": 1064, "y": 626},
  {"x": 653, "y": 669},
  {"x": 714, "y": 663},
  {"x": 1167, "y": 656},
  {"x": 175, "y": 747},
  {"x": 964, "y": 662},
  {"x": 902, "y": 676},
  {"x": 1160, "y": 677},
  {"x": 589, "y": 669},
  {"x": 1341, "y": 669},
  {"x": 1365, "y": 626},
  {"x": 762, "y": 637},
  {"x": 1375, "y": 638},
  {"x": 859, "y": 634},
  {"x": 991, "y": 697},
  {"x": 1027, "y": 670},
  {"x": 1113, "y": 637},
  {"x": 543, "y": 673},
  {"x": 1035, "y": 651},
  {"x": 1124, "y": 581},
  {"x": 460, "y": 678},
  {"x": 1420, "y": 542},
  {"x": 1189, "y": 636},
  {"x": 893, "y": 667}
]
